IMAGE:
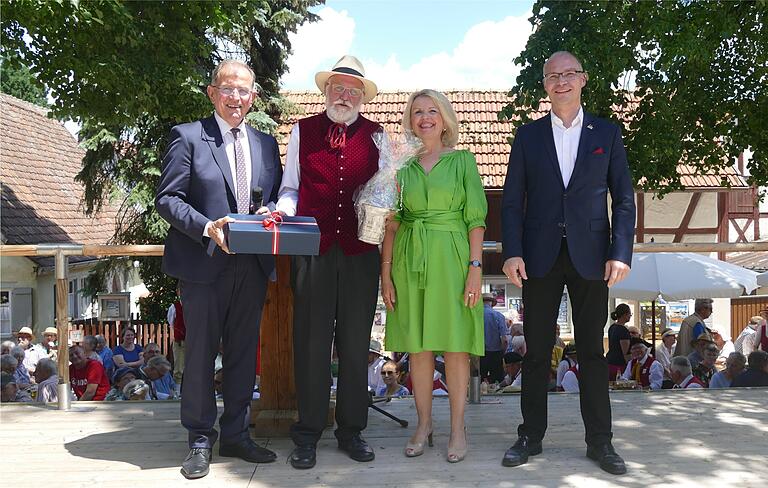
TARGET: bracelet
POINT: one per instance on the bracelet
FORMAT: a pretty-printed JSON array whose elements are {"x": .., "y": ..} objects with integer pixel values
[{"x": 386, "y": 262}]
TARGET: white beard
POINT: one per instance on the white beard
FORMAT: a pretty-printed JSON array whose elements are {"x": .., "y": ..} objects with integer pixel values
[{"x": 341, "y": 115}]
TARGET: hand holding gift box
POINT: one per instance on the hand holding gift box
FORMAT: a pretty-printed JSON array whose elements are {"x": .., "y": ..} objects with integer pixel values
[{"x": 381, "y": 195}]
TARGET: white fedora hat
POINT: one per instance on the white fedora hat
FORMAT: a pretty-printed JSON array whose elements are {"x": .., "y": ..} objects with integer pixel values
[{"x": 348, "y": 66}]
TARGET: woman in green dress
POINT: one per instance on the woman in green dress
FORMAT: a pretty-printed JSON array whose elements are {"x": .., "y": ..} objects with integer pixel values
[{"x": 431, "y": 272}]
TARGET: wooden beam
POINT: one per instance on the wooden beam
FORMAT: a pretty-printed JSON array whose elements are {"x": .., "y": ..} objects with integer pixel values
[
  {"x": 640, "y": 230},
  {"x": 673, "y": 230},
  {"x": 682, "y": 229},
  {"x": 742, "y": 232},
  {"x": 702, "y": 247},
  {"x": 722, "y": 222}
]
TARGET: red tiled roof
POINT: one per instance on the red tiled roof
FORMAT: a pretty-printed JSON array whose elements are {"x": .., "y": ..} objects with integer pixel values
[
  {"x": 480, "y": 130},
  {"x": 41, "y": 201}
]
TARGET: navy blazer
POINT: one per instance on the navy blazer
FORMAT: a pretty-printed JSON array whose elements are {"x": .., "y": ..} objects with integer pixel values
[
  {"x": 537, "y": 207},
  {"x": 196, "y": 186}
]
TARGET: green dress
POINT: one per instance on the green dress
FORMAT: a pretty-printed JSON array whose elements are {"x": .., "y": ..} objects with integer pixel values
[{"x": 431, "y": 256}]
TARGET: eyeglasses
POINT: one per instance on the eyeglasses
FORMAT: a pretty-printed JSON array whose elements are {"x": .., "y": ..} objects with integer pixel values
[
  {"x": 388, "y": 373},
  {"x": 569, "y": 75},
  {"x": 339, "y": 89},
  {"x": 229, "y": 91}
]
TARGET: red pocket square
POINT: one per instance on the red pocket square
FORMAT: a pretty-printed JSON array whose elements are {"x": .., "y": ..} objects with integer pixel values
[{"x": 599, "y": 150}]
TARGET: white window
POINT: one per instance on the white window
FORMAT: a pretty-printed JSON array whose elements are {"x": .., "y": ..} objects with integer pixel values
[
  {"x": 509, "y": 297},
  {"x": 5, "y": 313},
  {"x": 72, "y": 299}
]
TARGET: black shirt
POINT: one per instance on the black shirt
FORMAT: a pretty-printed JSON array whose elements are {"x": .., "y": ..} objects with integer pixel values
[{"x": 616, "y": 333}]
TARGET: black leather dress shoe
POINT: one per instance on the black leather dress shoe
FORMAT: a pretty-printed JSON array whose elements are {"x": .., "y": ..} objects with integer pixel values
[
  {"x": 304, "y": 457},
  {"x": 519, "y": 452},
  {"x": 247, "y": 450},
  {"x": 606, "y": 456},
  {"x": 357, "y": 448},
  {"x": 196, "y": 463}
]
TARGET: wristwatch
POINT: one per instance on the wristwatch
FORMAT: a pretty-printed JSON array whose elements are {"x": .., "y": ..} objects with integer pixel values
[{"x": 476, "y": 263}]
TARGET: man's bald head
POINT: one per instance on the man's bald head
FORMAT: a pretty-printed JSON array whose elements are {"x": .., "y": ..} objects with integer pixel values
[{"x": 564, "y": 55}]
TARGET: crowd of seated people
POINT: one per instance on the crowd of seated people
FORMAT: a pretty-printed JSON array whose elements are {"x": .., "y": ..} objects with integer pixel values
[{"x": 96, "y": 372}]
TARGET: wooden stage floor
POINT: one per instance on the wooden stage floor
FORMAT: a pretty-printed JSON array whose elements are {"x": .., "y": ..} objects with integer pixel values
[{"x": 712, "y": 438}]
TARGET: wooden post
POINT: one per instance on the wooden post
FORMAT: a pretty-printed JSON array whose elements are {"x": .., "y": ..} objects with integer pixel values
[
  {"x": 62, "y": 328},
  {"x": 275, "y": 411}
]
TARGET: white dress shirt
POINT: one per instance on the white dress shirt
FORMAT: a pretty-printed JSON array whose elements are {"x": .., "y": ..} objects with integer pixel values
[
  {"x": 655, "y": 375},
  {"x": 745, "y": 343},
  {"x": 35, "y": 353},
  {"x": 570, "y": 382},
  {"x": 567, "y": 143},
  {"x": 229, "y": 148},
  {"x": 171, "y": 316},
  {"x": 375, "y": 381},
  {"x": 664, "y": 357}
]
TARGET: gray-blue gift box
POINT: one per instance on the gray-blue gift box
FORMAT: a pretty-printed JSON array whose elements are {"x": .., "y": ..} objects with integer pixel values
[{"x": 296, "y": 236}]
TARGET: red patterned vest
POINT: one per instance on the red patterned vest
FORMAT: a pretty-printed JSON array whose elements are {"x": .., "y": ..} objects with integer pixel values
[
  {"x": 575, "y": 369},
  {"x": 179, "y": 328},
  {"x": 764, "y": 338},
  {"x": 330, "y": 177},
  {"x": 645, "y": 371}
]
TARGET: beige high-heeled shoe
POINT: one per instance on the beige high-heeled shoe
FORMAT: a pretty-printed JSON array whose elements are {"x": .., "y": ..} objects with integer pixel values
[
  {"x": 458, "y": 455},
  {"x": 414, "y": 449}
]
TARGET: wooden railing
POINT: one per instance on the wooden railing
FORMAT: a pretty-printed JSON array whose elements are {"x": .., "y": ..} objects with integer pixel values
[
  {"x": 61, "y": 253},
  {"x": 159, "y": 333}
]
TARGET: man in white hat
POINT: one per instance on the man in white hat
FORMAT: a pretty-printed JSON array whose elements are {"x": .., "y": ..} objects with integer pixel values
[
  {"x": 32, "y": 352},
  {"x": 666, "y": 351},
  {"x": 375, "y": 363},
  {"x": 329, "y": 156},
  {"x": 50, "y": 342}
]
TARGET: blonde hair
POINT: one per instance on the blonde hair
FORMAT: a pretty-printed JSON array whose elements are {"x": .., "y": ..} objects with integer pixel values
[{"x": 450, "y": 135}]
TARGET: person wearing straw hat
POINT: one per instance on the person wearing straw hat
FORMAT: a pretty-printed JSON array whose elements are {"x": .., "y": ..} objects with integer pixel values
[
  {"x": 329, "y": 156},
  {"x": 375, "y": 363},
  {"x": 50, "y": 341},
  {"x": 32, "y": 352},
  {"x": 665, "y": 351},
  {"x": 698, "y": 345}
]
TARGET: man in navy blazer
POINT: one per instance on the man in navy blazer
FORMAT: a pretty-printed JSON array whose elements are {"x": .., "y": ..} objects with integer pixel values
[
  {"x": 209, "y": 171},
  {"x": 556, "y": 232}
]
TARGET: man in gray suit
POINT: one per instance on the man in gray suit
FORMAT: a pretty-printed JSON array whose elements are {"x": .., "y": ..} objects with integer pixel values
[{"x": 209, "y": 171}]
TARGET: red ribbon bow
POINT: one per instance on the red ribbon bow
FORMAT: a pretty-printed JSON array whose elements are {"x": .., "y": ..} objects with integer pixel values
[
  {"x": 337, "y": 136},
  {"x": 273, "y": 223}
]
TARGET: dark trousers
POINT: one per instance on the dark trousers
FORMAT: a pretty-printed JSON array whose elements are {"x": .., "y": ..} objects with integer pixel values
[
  {"x": 589, "y": 299},
  {"x": 491, "y": 366},
  {"x": 334, "y": 296},
  {"x": 226, "y": 312}
]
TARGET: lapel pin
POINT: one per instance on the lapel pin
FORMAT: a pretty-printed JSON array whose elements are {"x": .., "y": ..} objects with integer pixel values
[{"x": 590, "y": 127}]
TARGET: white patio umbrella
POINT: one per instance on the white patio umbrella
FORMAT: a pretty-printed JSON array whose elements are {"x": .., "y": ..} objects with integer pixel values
[
  {"x": 762, "y": 279},
  {"x": 681, "y": 276}
]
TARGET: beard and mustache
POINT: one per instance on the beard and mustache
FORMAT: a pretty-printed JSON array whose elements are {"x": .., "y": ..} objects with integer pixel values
[{"x": 341, "y": 111}]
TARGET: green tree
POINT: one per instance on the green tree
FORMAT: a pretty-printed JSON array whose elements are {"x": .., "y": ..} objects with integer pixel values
[
  {"x": 16, "y": 80},
  {"x": 128, "y": 71},
  {"x": 688, "y": 79}
]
